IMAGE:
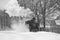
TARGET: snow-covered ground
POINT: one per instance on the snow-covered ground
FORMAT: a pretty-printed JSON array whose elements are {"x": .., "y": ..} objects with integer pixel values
[{"x": 28, "y": 36}]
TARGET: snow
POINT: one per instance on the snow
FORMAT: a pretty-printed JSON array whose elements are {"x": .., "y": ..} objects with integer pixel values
[
  {"x": 20, "y": 27},
  {"x": 11, "y": 35},
  {"x": 13, "y": 9}
]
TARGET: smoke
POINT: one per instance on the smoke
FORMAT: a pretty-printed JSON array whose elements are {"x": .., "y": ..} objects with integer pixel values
[{"x": 13, "y": 9}]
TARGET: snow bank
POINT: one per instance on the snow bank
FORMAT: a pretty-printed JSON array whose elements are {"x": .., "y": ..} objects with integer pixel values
[
  {"x": 21, "y": 27},
  {"x": 29, "y": 36}
]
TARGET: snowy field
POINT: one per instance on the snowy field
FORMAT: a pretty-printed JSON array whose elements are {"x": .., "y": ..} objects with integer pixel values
[{"x": 28, "y": 36}]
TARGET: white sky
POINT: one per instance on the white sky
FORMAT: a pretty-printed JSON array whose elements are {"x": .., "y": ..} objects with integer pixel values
[{"x": 3, "y": 3}]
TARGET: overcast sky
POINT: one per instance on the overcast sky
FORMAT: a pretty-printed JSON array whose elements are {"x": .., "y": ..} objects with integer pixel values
[{"x": 3, "y": 3}]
